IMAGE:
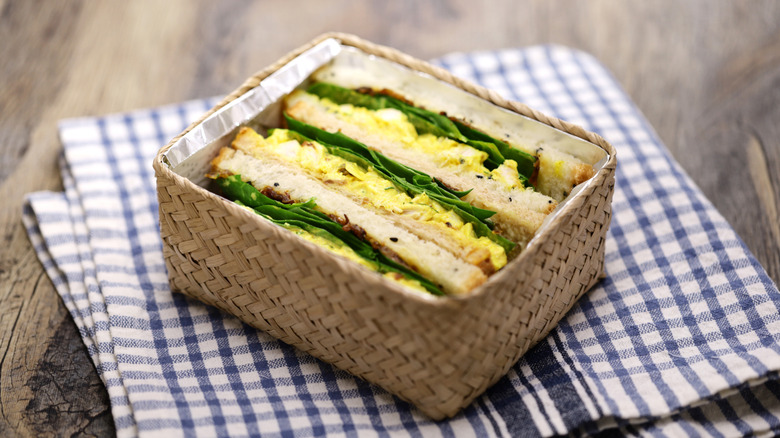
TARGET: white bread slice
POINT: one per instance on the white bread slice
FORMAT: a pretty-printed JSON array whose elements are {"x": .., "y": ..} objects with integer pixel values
[
  {"x": 559, "y": 172},
  {"x": 519, "y": 212},
  {"x": 377, "y": 194},
  {"x": 433, "y": 262}
]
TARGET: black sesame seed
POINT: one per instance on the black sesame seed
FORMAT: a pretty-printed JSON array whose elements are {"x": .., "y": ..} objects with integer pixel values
[
  {"x": 394, "y": 239},
  {"x": 510, "y": 199},
  {"x": 549, "y": 201},
  {"x": 276, "y": 184},
  {"x": 480, "y": 176}
]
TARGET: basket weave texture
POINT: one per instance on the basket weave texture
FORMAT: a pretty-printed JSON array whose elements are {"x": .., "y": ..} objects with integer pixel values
[{"x": 437, "y": 353}]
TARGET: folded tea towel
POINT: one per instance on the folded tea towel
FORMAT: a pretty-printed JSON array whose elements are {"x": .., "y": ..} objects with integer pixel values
[{"x": 680, "y": 338}]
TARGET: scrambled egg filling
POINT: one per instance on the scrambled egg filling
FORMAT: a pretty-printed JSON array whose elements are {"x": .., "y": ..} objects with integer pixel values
[
  {"x": 445, "y": 152},
  {"x": 374, "y": 189}
]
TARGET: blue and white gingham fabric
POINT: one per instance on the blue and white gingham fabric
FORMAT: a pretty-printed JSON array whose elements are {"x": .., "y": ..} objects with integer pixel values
[{"x": 681, "y": 338}]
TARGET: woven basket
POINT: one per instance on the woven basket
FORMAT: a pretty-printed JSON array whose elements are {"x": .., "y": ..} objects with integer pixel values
[{"x": 437, "y": 353}]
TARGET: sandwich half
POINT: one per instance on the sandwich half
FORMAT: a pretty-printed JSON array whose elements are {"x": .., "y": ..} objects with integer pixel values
[
  {"x": 497, "y": 176},
  {"x": 401, "y": 213}
]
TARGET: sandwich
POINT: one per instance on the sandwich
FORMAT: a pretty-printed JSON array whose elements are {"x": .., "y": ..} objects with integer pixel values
[{"x": 426, "y": 201}]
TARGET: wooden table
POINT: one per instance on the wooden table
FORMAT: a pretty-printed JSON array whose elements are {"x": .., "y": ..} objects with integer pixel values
[{"x": 705, "y": 73}]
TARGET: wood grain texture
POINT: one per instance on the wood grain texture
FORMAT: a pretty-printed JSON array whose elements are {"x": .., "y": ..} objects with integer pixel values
[{"x": 705, "y": 73}]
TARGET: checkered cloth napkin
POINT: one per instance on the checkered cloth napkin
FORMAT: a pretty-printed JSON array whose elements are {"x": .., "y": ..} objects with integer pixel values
[{"x": 681, "y": 338}]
